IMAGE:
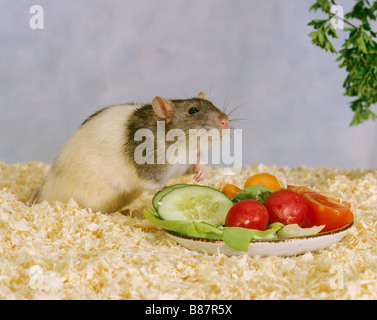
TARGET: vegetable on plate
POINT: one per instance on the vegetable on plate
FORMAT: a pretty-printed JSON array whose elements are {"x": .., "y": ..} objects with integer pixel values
[
  {"x": 249, "y": 214},
  {"x": 230, "y": 190},
  {"x": 194, "y": 203},
  {"x": 324, "y": 209},
  {"x": 287, "y": 207},
  {"x": 258, "y": 212},
  {"x": 327, "y": 211},
  {"x": 265, "y": 179}
]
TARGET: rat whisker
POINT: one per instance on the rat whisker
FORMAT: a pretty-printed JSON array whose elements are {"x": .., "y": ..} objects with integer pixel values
[
  {"x": 241, "y": 105},
  {"x": 241, "y": 119},
  {"x": 225, "y": 104},
  {"x": 210, "y": 91},
  {"x": 227, "y": 101}
]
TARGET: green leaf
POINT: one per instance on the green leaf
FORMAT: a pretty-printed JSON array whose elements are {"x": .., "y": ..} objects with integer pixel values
[
  {"x": 358, "y": 54},
  {"x": 294, "y": 230},
  {"x": 321, "y": 38},
  {"x": 331, "y": 32},
  {"x": 234, "y": 237},
  {"x": 361, "y": 45},
  {"x": 313, "y": 35},
  {"x": 239, "y": 238},
  {"x": 258, "y": 192},
  {"x": 324, "y": 5},
  {"x": 319, "y": 23},
  {"x": 193, "y": 229}
]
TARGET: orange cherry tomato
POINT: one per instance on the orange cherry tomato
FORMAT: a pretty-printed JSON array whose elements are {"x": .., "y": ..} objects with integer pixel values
[
  {"x": 230, "y": 190},
  {"x": 326, "y": 210},
  {"x": 265, "y": 179}
]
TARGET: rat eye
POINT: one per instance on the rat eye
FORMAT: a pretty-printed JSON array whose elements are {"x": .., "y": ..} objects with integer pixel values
[{"x": 193, "y": 110}]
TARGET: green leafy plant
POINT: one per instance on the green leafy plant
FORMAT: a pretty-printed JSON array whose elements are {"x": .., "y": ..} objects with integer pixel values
[{"x": 358, "y": 53}]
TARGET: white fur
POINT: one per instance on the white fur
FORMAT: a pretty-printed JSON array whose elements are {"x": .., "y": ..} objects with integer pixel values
[{"x": 92, "y": 167}]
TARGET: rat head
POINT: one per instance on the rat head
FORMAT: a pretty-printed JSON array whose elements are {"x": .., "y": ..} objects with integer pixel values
[{"x": 186, "y": 114}]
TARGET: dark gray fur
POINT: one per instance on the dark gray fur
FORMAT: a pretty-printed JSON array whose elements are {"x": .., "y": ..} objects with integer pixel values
[{"x": 144, "y": 117}]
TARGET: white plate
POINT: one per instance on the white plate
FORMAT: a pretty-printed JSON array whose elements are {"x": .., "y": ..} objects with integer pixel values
[{"x": 271, "y": 247}]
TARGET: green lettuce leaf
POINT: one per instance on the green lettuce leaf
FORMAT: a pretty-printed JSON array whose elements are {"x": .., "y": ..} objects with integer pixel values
[
  {"x": 258, "y": 192},
  {"x": 192, "y": 229},
  {"x": 234, "y": 237},
  {"x": 239, "y": 238},
  {"x": 294, "y": 230}
]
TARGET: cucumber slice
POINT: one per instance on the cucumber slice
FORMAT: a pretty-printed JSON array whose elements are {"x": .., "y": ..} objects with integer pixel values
[
  {"x": 194, "y": 203},
  {"x": 164, "y": 191}
]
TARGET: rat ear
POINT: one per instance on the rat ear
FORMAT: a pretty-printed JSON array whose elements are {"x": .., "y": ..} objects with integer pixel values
[
  {"x": 202, "y": 95},
  {"x": 162, "y": 108}
]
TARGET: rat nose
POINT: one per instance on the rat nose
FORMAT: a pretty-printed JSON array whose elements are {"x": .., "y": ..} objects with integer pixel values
[{"x": 224, "y": 121}]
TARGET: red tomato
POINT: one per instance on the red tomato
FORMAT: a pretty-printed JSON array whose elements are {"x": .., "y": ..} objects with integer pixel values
[
  {"x": 299, "y": 189},
  {"x": 249, "y": 214},
  {"x": 287, "y": 207},
  {"x": 326, "y": 210}
]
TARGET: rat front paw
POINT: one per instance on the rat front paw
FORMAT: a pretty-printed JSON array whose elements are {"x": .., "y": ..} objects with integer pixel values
[{"x": 200, "y": 172}]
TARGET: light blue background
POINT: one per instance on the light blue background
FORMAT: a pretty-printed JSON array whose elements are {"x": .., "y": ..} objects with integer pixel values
[{"x": 94, "y": 53}]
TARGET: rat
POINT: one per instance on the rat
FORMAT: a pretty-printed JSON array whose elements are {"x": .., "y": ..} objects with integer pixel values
[{"x": 96, "y": 167}]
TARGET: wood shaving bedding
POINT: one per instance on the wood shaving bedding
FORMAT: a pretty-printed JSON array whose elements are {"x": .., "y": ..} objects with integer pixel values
[{"x": 60, "y": 251}]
